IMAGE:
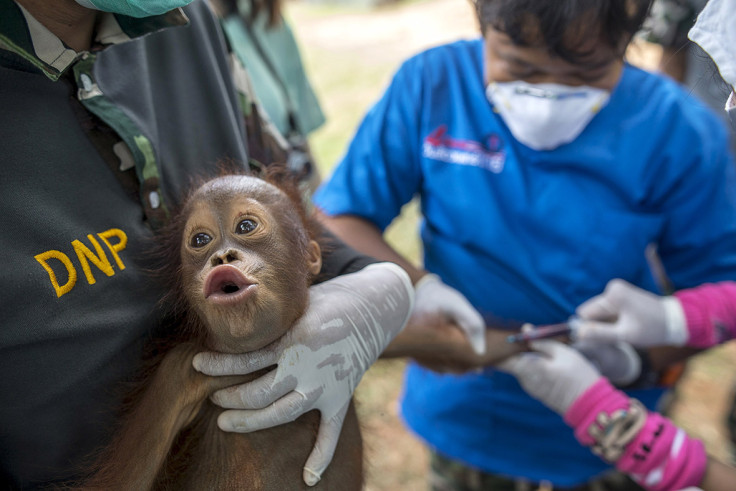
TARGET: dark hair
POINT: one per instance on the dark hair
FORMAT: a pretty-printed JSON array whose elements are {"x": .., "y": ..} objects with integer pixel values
[{"x": 562, "y": 25}]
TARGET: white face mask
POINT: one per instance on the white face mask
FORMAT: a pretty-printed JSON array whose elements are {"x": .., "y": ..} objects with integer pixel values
[{"x": 545, "y": 116}]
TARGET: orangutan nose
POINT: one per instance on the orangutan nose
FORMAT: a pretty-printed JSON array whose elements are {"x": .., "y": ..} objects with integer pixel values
[{"x": 225, "y": 257}]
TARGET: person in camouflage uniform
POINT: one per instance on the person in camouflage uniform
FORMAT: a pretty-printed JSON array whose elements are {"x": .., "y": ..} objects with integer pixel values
[
  {"x": 264, "y": 43},
  {"x": 107, "y": 119}
]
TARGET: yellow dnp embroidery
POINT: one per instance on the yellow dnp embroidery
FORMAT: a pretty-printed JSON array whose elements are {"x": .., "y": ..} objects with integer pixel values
[
  {"x": 66, "y": 287},
  {"x": 115, "y": 239},
  {"x": 100, "y": 260},
  {"x": 114, "y": 249}
]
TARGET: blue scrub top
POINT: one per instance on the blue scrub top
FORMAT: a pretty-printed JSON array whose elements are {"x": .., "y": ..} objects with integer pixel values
[{"x": 528, "y": 235}]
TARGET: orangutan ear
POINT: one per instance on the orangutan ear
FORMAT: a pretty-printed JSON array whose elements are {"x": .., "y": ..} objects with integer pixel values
[{"x": 314, "y": 258}]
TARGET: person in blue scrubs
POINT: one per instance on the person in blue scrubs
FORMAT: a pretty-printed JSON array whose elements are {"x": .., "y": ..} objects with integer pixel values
[{"x": 546, "y": 166}]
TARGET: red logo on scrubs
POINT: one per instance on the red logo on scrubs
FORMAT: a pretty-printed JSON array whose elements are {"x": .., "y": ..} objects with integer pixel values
[{"x": 440, "y": 146}]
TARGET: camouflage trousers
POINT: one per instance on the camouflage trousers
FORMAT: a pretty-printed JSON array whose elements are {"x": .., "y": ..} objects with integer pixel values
[{"x": 450, "y": 475}]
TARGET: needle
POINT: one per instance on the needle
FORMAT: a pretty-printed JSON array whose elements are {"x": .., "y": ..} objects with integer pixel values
[{"x": 543, "y": 332}]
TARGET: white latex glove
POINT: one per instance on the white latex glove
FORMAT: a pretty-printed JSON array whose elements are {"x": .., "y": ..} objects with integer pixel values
[
  {"x": 321, "y": 359},
  {"x": 624, "y": 312},
  {"x": 553, "y": 373},
  {"x": 433, "y": 297},
  {"x": 618, "y": 361}
]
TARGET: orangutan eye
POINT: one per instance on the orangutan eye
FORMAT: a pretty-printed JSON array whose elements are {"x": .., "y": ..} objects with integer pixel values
[
  {"x": 200, "y": 240},
  {"x": 246, "y": 226}
]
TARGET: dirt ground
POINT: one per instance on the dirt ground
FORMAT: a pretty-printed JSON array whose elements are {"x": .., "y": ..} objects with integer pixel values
[{"x": 350, "y": 54}]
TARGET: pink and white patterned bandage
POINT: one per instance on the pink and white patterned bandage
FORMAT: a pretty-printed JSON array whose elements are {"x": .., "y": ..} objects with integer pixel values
[
  {"x": 710, "y": 313},
  {"x": 647, "y": 446}
]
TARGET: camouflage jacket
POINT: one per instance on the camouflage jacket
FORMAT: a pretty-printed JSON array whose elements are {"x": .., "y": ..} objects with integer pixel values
[{"x": 95, "y": 147}]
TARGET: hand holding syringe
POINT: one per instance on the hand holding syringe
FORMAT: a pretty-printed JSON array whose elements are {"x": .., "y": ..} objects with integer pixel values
[{"x": 618, "y": 361}]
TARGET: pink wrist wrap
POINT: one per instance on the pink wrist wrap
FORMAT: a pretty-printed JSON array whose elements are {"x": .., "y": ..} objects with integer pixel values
[
  {"x": 710, "y": 313},
  {"x": 647, "y": 446}
]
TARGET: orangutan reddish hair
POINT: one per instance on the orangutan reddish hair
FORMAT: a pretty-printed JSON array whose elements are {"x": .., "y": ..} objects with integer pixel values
[{"x": 243, "y": 255}]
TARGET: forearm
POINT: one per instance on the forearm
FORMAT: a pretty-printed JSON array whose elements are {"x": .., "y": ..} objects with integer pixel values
[
  {"x": 409, "y": 343},
  {"x": 366, "y": 238},
  {"x": 169, "y": 401},
  {"x": 141, "y": 444},
  {"x": 647, "y": 446},
  {"x": 442, "y": 346},
  {"x": 718, "y": 476},
  {"x": 444, "y": 327},
  {"x": 338, "y": 258},
  {"x": 664, "y": 358},
  {"x": 362, "y": 236},
  {"x": 710, "y": 313}
]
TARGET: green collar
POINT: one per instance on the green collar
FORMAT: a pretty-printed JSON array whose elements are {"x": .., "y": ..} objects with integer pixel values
[{"x": 28, "y": 38}]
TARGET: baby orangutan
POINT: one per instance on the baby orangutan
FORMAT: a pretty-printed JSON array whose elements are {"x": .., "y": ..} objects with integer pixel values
[
  {"x": 245, "y": 258},
  {"x": 246, "y": 262}
]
